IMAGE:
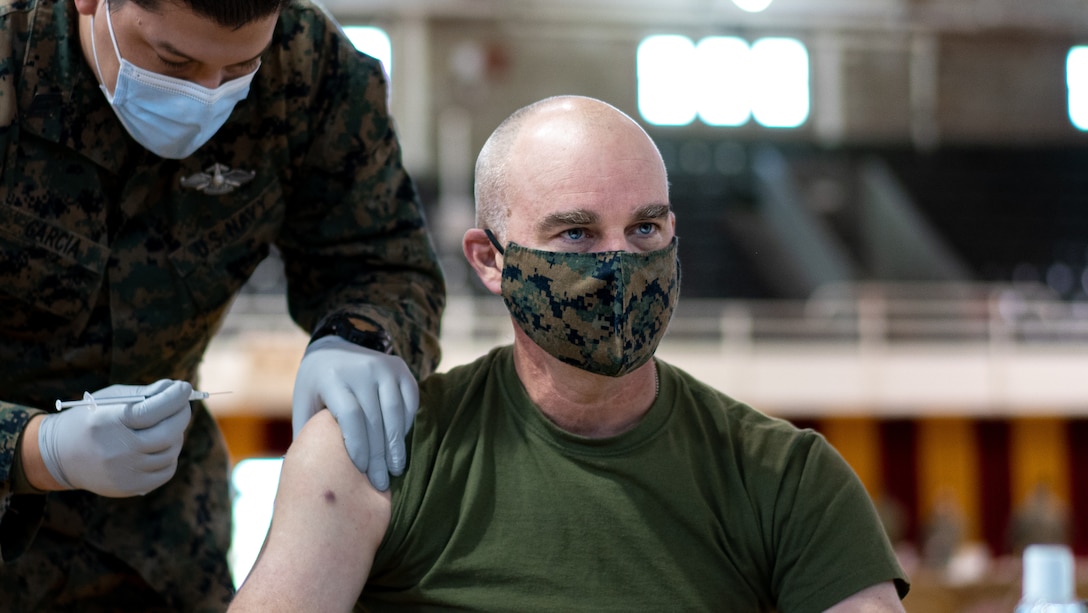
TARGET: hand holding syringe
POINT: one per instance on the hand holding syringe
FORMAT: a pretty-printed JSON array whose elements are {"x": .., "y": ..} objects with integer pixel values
[
  {"x": 120, "y": 441},
  {"x": 89, "y": 400}
]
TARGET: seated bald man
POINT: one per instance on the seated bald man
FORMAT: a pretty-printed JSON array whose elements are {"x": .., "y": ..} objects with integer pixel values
[{"x": 573, "y": 470}]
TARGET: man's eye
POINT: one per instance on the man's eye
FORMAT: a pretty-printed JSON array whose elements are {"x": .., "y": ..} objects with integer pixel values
[
  {"x": 242, "y": 70},
  {"x": 646, "y": 228},
  {"x": 171, "y": 64},
  {"x": 574, "y": 234}
]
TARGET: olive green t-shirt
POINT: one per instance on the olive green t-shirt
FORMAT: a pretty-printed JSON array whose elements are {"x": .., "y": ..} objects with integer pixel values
[{"x": 706, "y": 504}]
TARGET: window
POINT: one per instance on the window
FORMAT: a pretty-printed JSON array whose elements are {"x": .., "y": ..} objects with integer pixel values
[
  {"x": 373, "y": 42},
  {"x": 723, "y": 81},
  {"x": 780, "y": 96},
  {"x": 725, "y": 68},
  {"x": 1076, "y": 79},
  {"x": 666, "y": 80},
  {"x": 254, "y": 481}
]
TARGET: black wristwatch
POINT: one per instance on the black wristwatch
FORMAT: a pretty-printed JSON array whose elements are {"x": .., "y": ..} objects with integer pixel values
[{"x": 355, "y": 329}]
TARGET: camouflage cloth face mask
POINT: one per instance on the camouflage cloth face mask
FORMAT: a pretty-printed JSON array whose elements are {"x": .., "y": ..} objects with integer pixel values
[{"x": 603, "y": 312}]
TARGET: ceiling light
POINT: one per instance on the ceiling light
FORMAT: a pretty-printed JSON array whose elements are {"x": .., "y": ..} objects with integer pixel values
[{"x": 752, "y": 6}]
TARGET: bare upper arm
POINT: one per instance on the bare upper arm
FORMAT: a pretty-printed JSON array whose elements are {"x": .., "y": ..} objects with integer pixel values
[
  {"x": 327, "y": 525},
  {"x": 879, "y": 598}
]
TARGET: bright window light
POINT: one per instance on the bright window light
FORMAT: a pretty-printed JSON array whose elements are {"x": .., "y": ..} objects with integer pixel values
[
  {"x": 780, "y": 91},
  {"x": 667, "y": 80},
  {"x": 373, "y": 42},
  {"x": 1076, "y": 79},
  {"x": 723, "y": 64},
  {"x": 723, "y": 81},
  {"x": 255, "y": 482}
]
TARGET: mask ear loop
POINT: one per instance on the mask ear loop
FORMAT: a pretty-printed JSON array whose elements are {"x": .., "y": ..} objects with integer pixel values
[
  {"x": 113, "y": 37},
  {"x": 494, "y": 241},
  {"x": 113, "y": 40}
]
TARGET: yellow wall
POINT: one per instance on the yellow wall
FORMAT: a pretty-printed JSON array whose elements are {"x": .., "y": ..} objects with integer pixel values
[
  {"x": 858, "y": 440},
  {"x": 1039, "y": 456},
  {"x": 948, "y": 470}
]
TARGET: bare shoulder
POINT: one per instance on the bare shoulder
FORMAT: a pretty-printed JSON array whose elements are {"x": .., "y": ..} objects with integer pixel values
[
  {"x": 319, "y": 477},
  {"x": 320, "y": 444}
]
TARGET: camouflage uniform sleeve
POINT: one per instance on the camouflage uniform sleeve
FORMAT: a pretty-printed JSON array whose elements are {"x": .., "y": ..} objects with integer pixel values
[
  {"x": 20, "y": 506},
  {"x": 355, "y": 244},
  {"x": 19, "y": 514}
]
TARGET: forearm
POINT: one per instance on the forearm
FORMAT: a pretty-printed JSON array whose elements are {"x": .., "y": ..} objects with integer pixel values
[
  {"x": 30, "y": 459},
  {"x": 405, "y": 307},
  {"x": 14, "y": 421},
  {"x": 388, "y": 277},
  {"x": 20, "y": 515}
]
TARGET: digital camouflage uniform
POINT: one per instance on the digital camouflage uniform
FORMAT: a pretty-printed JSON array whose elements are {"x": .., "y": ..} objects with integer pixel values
[{"x": 112, "y": 272}]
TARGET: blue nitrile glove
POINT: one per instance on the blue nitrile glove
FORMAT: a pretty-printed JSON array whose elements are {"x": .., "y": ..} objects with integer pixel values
[
  {"x": 118, "y": 450},
  {"x": 372, "y": 395}
]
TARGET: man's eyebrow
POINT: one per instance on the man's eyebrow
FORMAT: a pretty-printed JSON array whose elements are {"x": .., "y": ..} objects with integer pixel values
[
  {"x": 652, "y": 211},
  {"x": 583, "y": 217},
  {"x": 576, "y": 217},
  {"x": 170, "y": 48}
]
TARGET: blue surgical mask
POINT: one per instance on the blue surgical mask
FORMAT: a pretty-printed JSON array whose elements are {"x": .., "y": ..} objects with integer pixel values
[{"x": 170, "y": 117}]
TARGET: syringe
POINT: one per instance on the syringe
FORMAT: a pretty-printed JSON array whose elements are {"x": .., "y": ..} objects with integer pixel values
[{"x": 89, "y": 400}]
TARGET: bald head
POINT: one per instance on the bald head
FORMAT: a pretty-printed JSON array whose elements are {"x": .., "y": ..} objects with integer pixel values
[{"x": 543, "y": 144}]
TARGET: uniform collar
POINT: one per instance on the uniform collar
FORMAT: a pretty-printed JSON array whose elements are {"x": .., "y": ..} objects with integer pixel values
[{"x": 59, "y": 97}]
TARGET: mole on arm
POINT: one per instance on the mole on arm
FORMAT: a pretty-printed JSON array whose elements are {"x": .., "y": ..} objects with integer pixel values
[{"x": 330, "y": 497}]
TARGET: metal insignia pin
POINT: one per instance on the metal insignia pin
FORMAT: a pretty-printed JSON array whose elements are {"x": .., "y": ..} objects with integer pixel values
[{"x": 218, "y": 179}]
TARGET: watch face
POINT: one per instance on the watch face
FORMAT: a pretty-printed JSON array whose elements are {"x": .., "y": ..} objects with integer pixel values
[
  {"x": 378, "y": 341},
  {"x": 358, "y": 330}
]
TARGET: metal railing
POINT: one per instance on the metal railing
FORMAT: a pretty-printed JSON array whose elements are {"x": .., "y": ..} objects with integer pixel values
[
  {"x": 865, "y": 314},
  {"x": 905, "y": 349}
]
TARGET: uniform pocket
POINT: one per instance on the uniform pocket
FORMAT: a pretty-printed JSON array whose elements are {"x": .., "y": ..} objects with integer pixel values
[
  {"x": 218, "y": 261},
  {"x": 49, "y": 276}
]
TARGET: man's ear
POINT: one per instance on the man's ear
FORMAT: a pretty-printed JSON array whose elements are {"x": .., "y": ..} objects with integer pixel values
[
  {"x": 86, "y": 7},
  {"x": 484, "y": 259}
]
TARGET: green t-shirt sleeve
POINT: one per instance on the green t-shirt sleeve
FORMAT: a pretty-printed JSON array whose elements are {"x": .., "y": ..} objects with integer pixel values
[{"x": 827, "y": 538}]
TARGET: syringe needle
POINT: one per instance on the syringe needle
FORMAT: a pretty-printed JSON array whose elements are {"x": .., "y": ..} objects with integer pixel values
[{"x": 88, "y": 400}]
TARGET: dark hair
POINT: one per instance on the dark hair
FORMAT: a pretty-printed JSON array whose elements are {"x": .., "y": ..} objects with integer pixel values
[{"x": 227, "y": 13}]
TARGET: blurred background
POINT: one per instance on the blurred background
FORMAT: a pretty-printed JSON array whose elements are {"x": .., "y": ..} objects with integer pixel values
[{"x": 883, "y": 219}]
